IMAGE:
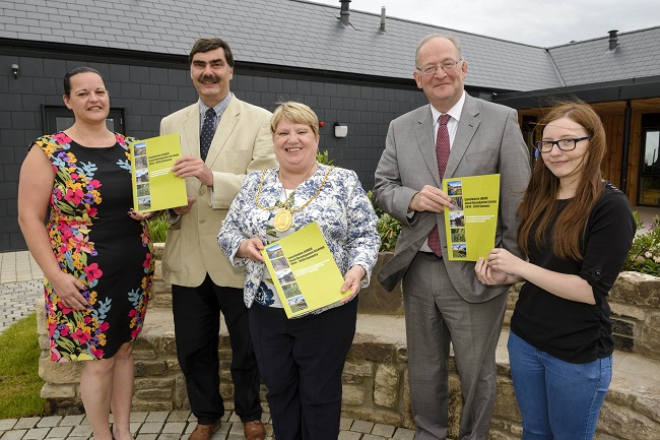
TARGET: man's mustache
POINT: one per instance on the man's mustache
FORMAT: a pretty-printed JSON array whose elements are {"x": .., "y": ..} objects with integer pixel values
[{"x": 208, "y": 79}]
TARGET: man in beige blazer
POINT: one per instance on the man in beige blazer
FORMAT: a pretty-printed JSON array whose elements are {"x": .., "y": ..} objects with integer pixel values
[
  {"x": 222, "y": 139},
  {"x": 443, "y": 300}
]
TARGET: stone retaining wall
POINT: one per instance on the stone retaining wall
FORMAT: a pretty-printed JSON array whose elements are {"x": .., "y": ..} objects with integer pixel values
[
  {"x": 375, "y": 376},
  {"x": 635, "y": 303}
]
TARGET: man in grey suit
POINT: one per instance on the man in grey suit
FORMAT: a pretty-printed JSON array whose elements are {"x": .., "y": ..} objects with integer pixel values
[{"x": 443, "y": 300}]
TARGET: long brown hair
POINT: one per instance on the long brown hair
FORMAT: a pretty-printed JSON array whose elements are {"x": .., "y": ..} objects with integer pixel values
[{"x": 540, "y": 204}]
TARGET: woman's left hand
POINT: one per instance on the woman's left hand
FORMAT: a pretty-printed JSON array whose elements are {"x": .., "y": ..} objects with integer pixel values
[
  {"x": 504, "y": 261},
  {"x": 352, "y": 282},
  {"x": 487, "y": 275},
  {"x": 139, "y": 216}
]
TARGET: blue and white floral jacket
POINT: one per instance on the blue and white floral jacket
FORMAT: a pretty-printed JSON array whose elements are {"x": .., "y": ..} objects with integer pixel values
[{"x": 342, "y": 210}]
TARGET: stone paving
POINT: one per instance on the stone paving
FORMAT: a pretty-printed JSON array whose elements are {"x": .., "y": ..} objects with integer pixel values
[
  {"x": 17, "y": 267},
  {"x": 174, "y": 425},
  {"x": 21, "y": 286},
  {"x": 17, "y": 300}
]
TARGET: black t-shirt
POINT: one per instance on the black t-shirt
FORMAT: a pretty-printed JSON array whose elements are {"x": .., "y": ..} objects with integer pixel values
[{"x": 568, "y": 330}]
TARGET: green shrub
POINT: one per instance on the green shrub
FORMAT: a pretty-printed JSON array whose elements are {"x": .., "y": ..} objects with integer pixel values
[
  {"x": 644, "y": 255},
  {"x": 324, "y": 158},
  {"x": 389, "y": 228},
  {"x": 158, "y": 226}
]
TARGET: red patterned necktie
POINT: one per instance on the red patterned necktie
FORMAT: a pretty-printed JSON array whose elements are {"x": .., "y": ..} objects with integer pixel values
[{"x": 442, "y": 153}]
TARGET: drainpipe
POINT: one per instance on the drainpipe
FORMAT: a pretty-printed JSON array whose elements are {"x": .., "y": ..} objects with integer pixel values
[
  {"x": 624, "y": 152},
  {"x": 344, "y": 14}
]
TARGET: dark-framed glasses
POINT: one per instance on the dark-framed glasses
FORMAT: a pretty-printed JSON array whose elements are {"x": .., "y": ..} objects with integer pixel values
[
  {"x": 567, "y": 144},
  {"x": 446, "y": 66}
]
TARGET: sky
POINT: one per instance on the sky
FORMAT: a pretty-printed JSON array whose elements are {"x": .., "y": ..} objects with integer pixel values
[{"x": 544, "y": 23}]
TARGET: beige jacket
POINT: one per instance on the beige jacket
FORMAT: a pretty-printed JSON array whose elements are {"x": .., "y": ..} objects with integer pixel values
[{"x": 242, "y": 144}]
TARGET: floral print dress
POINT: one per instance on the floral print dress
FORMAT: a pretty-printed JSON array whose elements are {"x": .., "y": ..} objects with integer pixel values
[{"x": 95, "y": 240}]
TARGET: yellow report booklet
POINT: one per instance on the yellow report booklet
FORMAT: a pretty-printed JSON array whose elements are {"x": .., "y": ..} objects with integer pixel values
[
  {"x": 155, "y": 186},
  {"x": 472, "y": 223},
  {"x": 304, "y": 272}
]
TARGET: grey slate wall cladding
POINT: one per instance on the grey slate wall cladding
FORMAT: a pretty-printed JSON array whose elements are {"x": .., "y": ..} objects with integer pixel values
[{"x": 146, "y": 94}]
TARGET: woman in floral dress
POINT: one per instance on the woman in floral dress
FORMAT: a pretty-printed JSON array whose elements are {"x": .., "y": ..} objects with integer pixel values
[{"x": 95, "y": 252}]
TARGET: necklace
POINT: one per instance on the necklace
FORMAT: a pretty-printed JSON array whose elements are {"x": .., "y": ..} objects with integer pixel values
[{"x": 284, "y": 217}]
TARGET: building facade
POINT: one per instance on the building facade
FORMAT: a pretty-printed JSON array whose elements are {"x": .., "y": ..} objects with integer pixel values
[{"x": 352, "y": 68}]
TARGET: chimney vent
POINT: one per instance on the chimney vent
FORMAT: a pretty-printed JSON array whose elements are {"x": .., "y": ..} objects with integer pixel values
[
  {"x": 614, "y": 40},
  {"x": 382, "y": 18},
  {"x": 344, "y": 14}
]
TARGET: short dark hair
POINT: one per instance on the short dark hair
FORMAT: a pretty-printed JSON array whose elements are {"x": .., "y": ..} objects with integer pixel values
[
  {"x": 76, "y": 71},
  {"x": 206, "y": 44}
]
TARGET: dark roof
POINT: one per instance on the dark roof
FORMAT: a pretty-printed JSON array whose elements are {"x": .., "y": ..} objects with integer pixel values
[
  {"x": 636, "y": 56},
  {"x": 296, "y": 33}
]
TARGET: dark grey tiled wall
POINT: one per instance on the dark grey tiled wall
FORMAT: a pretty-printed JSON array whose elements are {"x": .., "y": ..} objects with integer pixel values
[{"x": 146, "y": 94}]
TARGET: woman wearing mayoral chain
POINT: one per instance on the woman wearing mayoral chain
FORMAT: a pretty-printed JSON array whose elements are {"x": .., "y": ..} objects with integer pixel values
[{"x": 301, "y": 360}]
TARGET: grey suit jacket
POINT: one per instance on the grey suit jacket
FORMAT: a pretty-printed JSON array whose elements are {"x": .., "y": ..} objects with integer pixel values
[
  {"x": 242, "y": 143},
  {"x": 488, "y": 141}
]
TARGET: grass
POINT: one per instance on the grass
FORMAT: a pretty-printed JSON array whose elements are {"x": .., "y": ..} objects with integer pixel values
[{"x": 20, "y": 384}]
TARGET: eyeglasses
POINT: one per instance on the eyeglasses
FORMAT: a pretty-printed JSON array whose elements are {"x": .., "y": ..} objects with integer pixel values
[
  {"x": 563, "y": 144},
  {"x": 446, "y": 66}
]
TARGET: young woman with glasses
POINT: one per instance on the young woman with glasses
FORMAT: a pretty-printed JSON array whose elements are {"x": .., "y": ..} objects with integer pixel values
[{"x": 576, "y": 229}]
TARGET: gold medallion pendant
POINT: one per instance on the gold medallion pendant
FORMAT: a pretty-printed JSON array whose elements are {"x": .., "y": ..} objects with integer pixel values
[
  {"x": 282, "y": 220},
  {"x": 284, "y": 216}
]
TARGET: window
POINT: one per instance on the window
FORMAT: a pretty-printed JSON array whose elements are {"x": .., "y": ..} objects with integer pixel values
[
  {"x": 58, "y": 118},
  {"x": 529, "y": 124}
]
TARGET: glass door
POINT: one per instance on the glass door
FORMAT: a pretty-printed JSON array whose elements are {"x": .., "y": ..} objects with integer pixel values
[{"x": 649, "y": 182}]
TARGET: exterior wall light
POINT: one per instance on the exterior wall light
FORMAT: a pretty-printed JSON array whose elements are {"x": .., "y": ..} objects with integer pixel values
[
  {"x": 341, "y": 130},
  {"x": 14, "y": 70}
]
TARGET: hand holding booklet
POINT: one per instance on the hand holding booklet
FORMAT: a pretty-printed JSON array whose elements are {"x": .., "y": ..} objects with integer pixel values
[
  {"x": 472, "y": 223},
  {"x": 155, "y": 186},
  {"x": 304, "y": 272}
]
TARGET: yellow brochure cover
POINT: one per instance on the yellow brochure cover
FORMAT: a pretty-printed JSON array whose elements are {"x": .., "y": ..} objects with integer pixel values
[
  {"x": 304, "y": 272},
  {"x": 472, "y": 223},
  {"x": 155, "y": 186}
]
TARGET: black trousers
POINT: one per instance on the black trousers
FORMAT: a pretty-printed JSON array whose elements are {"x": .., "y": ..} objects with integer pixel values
[
  {"x": 196, "y": 325},
  {"x": 301, "y": 361}
]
